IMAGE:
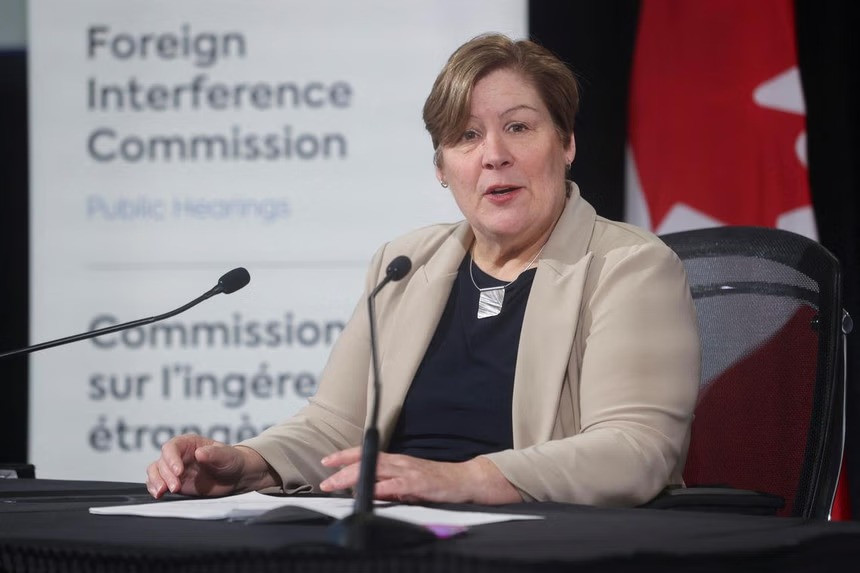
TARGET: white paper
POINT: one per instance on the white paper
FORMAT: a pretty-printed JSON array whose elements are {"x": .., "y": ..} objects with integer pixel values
[{"x": 247, "y": 505}]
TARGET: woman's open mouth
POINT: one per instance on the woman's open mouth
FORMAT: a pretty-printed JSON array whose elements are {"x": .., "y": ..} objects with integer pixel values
[{"x": 501, "y": 190}]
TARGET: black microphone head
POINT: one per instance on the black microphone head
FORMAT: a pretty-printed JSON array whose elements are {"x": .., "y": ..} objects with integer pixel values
[
  {"x": 398, "y": 268},
  {"x": 234, "y": 280}
]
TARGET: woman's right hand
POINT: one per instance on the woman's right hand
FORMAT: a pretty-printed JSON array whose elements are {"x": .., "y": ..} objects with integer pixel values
[{"x": 194, "y": 465}]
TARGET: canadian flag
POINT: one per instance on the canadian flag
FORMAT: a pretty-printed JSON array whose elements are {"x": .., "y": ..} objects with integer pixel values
[
  {"x": 717, "y": 120},
  {"x": 717, "y": 125}
]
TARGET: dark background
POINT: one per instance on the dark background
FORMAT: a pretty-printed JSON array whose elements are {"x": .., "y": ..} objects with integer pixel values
[{"x": 596, "y": 38}]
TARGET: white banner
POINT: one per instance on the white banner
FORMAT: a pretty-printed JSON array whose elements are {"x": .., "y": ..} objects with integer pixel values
[{"x": 173, "y": 141}]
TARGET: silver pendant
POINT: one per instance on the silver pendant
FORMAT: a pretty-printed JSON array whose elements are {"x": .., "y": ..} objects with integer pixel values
[{"x": 490, "y": 302}]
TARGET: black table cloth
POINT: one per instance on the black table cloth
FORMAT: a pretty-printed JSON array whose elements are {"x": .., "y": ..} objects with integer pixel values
[{"x": 45, "y": 526}]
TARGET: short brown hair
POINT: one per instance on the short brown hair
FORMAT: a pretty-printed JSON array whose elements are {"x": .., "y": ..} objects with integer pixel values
[{"x": 446, "y": 110}]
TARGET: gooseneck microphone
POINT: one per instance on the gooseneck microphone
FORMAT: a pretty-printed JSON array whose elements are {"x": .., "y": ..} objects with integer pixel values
[
  {"x": 396, "y": 270},
  {"x": 363, "y": 529},
  {"x": 229, "y": 283}
]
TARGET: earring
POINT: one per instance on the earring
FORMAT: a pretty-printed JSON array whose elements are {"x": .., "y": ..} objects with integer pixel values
[{"x": 443, "y": 184}]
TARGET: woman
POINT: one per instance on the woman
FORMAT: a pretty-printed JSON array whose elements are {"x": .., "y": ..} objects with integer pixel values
[{"x": 535, "y": 352}]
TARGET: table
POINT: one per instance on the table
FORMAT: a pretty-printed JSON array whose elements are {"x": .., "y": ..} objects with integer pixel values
[{"x": 45, "y": 526}]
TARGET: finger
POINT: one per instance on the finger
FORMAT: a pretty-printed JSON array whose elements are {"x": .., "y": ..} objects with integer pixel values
[
  {"x": 154, "y": 484},
  {"x": 160, "y": 483},
  {"x": 407, "y": 479},
  {"x": 395, "y": 489},
  {"x": 387, "y": 466},
  {"x": 172, "y": 454},
  {"x": 342, "y": 458},
  {"x": 392, "y": 465},
  {"x": 345, "y": 478},
  {"x": 170, "y": 479},
  {"x": 206, "y": 455},
  {"x": 220, "y": 458}
]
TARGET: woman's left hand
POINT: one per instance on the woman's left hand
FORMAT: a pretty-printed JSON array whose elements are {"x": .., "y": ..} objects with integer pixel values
[{"x": 407, "y": 479}]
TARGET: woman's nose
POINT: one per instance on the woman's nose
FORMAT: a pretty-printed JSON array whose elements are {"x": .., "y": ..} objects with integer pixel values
[{"x": 496, "y": 152}]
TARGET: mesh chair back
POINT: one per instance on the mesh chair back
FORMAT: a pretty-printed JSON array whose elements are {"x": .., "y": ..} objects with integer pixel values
[{"x": 769, "y": 416}]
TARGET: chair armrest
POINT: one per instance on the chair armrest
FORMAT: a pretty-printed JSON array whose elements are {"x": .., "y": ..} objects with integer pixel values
[{"x": 717, "y": 499}]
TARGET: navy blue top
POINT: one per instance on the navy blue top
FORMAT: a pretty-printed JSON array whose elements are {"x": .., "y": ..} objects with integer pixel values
[{"x": 459, "y": 403}]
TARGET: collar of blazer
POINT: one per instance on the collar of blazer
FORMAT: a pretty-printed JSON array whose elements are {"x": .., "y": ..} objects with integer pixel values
[{"x": 548, "y": 330}]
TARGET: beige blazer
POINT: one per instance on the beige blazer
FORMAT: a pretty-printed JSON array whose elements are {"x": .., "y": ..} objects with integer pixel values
[{"x": 607, "y": 367}]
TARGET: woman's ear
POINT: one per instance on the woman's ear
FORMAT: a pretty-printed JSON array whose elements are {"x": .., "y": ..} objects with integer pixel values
[
  {"x": 570, "y": 150},
  {"x": 440, "y": 175}
]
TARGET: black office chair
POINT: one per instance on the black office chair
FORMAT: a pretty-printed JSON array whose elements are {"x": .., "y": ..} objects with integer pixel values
[{"x": 768, "y": 432}]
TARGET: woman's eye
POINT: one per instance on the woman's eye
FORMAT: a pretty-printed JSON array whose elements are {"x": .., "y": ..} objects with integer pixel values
[
  {"x": 470, "y": 135},
  {"x": 517, "y": 127}
]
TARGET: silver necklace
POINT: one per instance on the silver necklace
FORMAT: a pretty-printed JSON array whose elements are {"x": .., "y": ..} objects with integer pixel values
[{"x": 490, "y": 299}]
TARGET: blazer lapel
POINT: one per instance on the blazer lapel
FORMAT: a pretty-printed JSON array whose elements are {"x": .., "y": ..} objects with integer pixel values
[
  {"x": 415, "y": 323},
  {"x": 549, "y": 325}
]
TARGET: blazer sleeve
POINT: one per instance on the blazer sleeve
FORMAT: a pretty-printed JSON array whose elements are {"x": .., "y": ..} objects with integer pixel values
[
  {"x": 636, "y": 359},
  {"x": 334, "y": 417}
]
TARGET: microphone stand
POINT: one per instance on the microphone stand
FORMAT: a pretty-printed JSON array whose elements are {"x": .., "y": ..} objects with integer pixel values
[
  {"x": 363, "y": 529},
  {"x": 230, "y": 282}
]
